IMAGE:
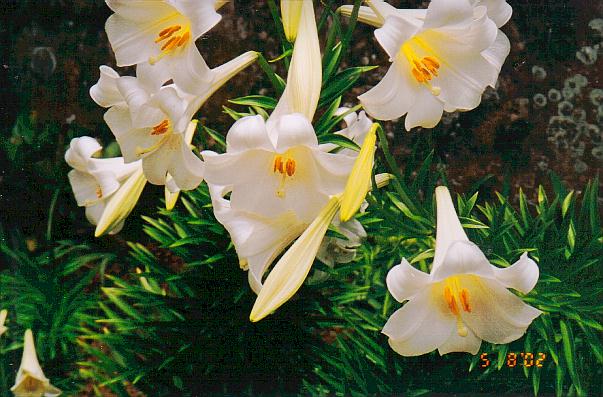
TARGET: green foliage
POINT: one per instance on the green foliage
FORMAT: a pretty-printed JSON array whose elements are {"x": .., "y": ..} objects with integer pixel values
[{"x": 53, "y": 293}]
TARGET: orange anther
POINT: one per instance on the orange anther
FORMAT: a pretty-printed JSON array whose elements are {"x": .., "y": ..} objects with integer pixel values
[
  {"x": 418, "y": 75},
  {"x": 290, "y": 167},
  {"x": 171, "y": 43},
  {"x": 278, "y": 164},
  {"x": 451, "y": 301},
  {"x": 99, "y": 192},
  {"x": 465, "y": 300},
  {"x": 184, "y": 39},
  {"x": 431, "y": 61}
]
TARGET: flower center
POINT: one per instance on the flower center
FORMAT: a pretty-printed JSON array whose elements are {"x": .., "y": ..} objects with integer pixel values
[
  {"x": 284, "y": 165},
  {"x": 457, "y": 298},
  {"x": 424, "y": 64},
  {"x": 161, "y": 128},
  {"x": 170, "y": 39}
]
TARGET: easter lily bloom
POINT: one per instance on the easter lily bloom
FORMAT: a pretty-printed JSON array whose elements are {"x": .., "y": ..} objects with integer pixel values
[
  {"x": 464, "y": 299},
  {"x": 30, "y": 377},
  {"x": 96, "y": 183},
  {"x": 281, "y": 185},
  {"x": 443, "y": 61},
  {"x": 3, "y": 315},
  {"x": 150, "y": 126},
  {"x": 159, "y": 37}
]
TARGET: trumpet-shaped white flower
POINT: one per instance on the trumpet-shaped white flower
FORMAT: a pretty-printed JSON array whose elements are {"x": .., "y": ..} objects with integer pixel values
[
  {"x": 31, "y": 381},
  {"x": 151, "y": 126},
  {"x": 280, "y": 184},
  {"x": 96, "y": 182},
  {"x": 3, "y": 315},
  {"x": 443, "y": 58},
  {"x": 464, "y": 299},
  {"x": 159, "y": 37}
]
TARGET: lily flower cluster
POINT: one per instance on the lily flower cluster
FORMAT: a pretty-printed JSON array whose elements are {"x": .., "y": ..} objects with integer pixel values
[
  {"x": 276, "y": 190},
  {"x": 151, "y": 120}
]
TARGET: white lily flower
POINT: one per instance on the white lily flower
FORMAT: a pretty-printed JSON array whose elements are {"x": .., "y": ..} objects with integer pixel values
[
  {"x": 280, "y": 185},
  {"x": 151, "y": 126},
  {"x": 96, "y": 182},
  {"x": 443, "y": 58},
  {"x": 159, "y": 37},
  {"x": 31, "y": 381},
  {"x": 464, "y": 299},
  {"x": 3, "y": 315}
]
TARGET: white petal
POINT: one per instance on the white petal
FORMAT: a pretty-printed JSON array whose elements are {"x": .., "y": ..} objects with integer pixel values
[
  {"x": 393, "y": 96},
  {"x": 156, "y": 164},
  {"x": 195, "y": 77},
  {"x": 497, "y": 53},
  {"x": 462, "y": 257},
  {"x": 248, "y": 133},
  {"x": 132, "y": 42},
  {"x": 80, "y": 151},
  {"x": 237, "y": 168},
  {"x": 498, "y": 10},
  {"x": 173, "y": 106},
  {"x": 137, "y": 97},
  {"x": 426, "y": 110},
  {"x": 84, "y": 187},
  {"x": 394, "y": 33},
  {"x": 456, "y": 343},
  {"x": 114, "y": 165},
  {"x": 496, "y": 315},
  {"x": 94, "y": 212},
  {"x": 418, "y": 327},
  {"x": 291, "y": 130},
  {"x": 522, "y": 275},
  {"x": 135, "y": 143},
  {"x": 141, "y": 10},
  {"x": 152, "y": 76},
  {"x": 186, "y": 168},
  {"x": 448, "y": 13},
  {"x": 448, "y": 226},
  {"x": 201, "y": 13},
  {"x": 404, "y": 281},
  {"x": 105, "y": 92},
  {"x": 332, "y": 170}
]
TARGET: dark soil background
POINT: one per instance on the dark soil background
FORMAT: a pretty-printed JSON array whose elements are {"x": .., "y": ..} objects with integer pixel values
[{"x": 51, "y": 51}]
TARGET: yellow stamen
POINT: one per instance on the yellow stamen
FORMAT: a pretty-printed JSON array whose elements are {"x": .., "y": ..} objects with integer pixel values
[
  {"x": 99, "y": 192},
  {"x": 174, "y": 40},
  {"x": 285, "y": 166},
  {"x": 161, "y": 128},
  {"x": 457, "y": 298},
  {"x": 423, "y": 68}
]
